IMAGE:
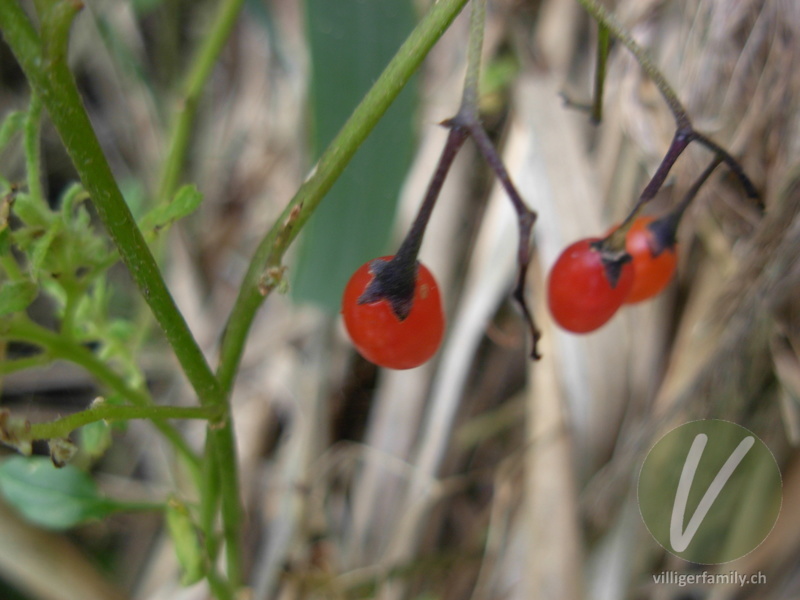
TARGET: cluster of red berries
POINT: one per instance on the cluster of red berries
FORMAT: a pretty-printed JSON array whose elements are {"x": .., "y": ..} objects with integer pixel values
[
  {"x": 585, "y": 289},
  {"x": 589, "y": 282},
  {"x": 392, "y": 308}
]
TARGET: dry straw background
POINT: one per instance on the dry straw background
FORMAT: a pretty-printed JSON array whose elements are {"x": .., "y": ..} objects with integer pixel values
[{"x": 481, "y": 475}]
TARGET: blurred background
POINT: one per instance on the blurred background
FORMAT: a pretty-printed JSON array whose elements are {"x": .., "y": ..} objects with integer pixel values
[{"x": 481, "y": 475}]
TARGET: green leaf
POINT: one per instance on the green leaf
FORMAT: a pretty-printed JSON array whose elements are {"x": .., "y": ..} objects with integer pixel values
[
  {"x": 187, "y": 543},
  {"x": 50, "y": 497},
  {"x": 41, "y": 247},
  {"x": 351, "y": 42},
  {"x": 15, "y": 296},
  {"x": 30, "y": 212},
  {"x": 185, "y": 202},
  {"x": 95, "y": 438},
  {"x": 11, "y": 125}
]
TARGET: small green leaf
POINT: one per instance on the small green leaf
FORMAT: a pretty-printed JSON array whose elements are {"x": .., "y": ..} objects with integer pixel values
[
  {"x": 95, "y": 438},
  {"x": 185, "y": 202},
  {"x": 41, "y": 247},
  {"x": 15, "y": 296},
  {"x": 50, "y": 497},
  {"x": 30, "y": 212},
  {"x": 72, "y": 196},
  {"x": 186, "y": 540},
  {"x": 11, "y": 125}
]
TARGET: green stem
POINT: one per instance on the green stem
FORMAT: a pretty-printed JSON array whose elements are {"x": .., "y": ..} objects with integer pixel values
[
  {"x": 224, "y": 452},
  {"x": 612, "y": 26},
  {"x": 23, "y": 364},
  {"x": 477, "y": 24},
  {"x": 32, "y": 145},
  {"x": 59, "y": 347},
  {"x": 209, "y": 501},
  {"x": 330, "y": 165},
  {"x": 603, "y": 39},
  {"x": 53, "y": 81},
  {"x": 200, "y": 70},
  {"x": 136, "y": 506},
  {"x": 65, "y": 425}
]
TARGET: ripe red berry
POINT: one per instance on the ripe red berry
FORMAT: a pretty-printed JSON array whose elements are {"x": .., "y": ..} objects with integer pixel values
[
  {"x": 380, "y": 335},
  {"x": 580, "y": 292},
  {"x": 653, "y": 263}
]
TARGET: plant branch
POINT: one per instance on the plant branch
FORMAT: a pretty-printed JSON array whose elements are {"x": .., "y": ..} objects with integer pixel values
[
  {"x": 609, "y": 22},
  {"x": 603, "y": 39},
  {"x": 32, "y": 145},
  {"x": 57, "y": 346},
  {"x": 103, "y": 411},
  {"x": 477, "y": 24}
]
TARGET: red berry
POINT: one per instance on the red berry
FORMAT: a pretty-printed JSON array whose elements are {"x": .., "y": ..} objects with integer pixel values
[
  {"x": 380, "y": 335},
  {"x": 652, "y": 272},
  {"x": 579, "y": 292}
]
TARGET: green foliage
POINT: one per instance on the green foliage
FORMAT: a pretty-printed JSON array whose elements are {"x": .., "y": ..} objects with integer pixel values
[
  {"x": 161, "y": 217},
  {"x": 11, "y": 125},
  {"x": 187, "y": 543},
  {"x": 15, "y": 296},
  {"x": 50, "y": 497},
  {"x": 95, "y": 439}
]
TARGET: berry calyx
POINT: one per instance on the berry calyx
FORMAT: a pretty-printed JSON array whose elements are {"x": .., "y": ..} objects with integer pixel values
[
  {"x": 652, "y": 250},
  {"x": 386, "y": 326},
  {"x": 585, "y": 288}
]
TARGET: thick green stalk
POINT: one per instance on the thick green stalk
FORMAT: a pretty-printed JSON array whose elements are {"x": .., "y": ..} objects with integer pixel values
[
  {"x": 260, "y": 279},
  {"x": 51, "y": 79}
]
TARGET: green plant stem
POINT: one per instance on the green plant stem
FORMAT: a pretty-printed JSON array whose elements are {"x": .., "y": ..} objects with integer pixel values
[
  {"x": 23, "y": 364},
  {"x": 603, "y": 39},
  {"x": 199, "y": 72},
  {"x": 270, "y": 251},
  {"x": 477, "y": 24},
  {"x": 608, "y": 21},
  {"x": 209, "y": 501},
  {"x": 224, "y": 452},
  {"x": 65, "y": 425},
  {"x": 58, "y": 347},
  {"x": 32, "y": 145},
  {"x": 53, "y": 81}
]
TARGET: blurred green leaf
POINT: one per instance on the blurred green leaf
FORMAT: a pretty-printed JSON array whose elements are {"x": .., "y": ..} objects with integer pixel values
[
  {"x": 95, "y": 438},
  {"x": 187, "y": 544},
  {"x": 351, "y": 42},
  {"x": 185, "y": 202},
  {"x": 15, "y": 296},
  {"x": 12, "y": 123},
  {"x": 50, "y": 497}
]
